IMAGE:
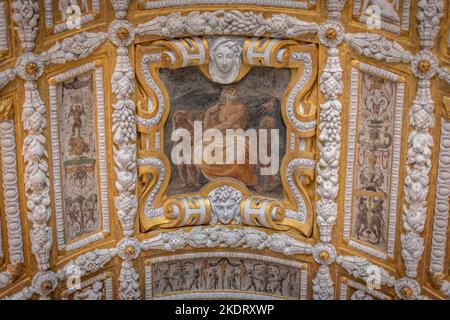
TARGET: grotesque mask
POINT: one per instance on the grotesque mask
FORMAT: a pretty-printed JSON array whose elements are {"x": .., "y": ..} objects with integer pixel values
[{"x": 225, "y": 203}]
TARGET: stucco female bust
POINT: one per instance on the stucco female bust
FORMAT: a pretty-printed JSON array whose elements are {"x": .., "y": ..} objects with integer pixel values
[{"x": 225, "y": 60}]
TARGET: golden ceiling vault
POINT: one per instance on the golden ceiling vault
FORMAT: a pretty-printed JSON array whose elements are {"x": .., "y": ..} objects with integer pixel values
[{"x": 195, "y": 149}]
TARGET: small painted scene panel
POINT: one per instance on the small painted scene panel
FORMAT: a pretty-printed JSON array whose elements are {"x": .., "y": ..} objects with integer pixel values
[
  {"x": 373, "y": 159},
  {"x": 252, "y": 103},
  {"x": 78, "y": 157}
]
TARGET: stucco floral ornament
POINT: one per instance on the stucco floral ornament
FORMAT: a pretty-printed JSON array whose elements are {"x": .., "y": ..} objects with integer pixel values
[
  {"x": 412, "y": 250},
  {"x": 326, "y": 217},
  {"x": 325, "y": 254},
  {"x": 120, "y": 8},
  {"x": 121, "y": 33},
  {"x": 424, "y": 65},
  {"x": 44, "y": 283},
  {"x": 378, "y": 47},
  {"x": 428, "y": 10},
  {"x": 407, "y": 289},
  {"x": 26, "y": 17},
  {"x": 422, "y": 117},
  {"x": 129, "y": 248},
  {"x": 127, "y": 206},
  {"x": 331, "y": 33},
  {"x": 124, "y": 128},
  {"x": 25, "y": 11},
  {"x": 29, "y": 67},
  {"x": 429, "y": 14}
]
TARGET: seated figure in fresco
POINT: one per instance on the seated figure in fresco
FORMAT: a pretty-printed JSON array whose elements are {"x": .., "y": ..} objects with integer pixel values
[{"x": 228, "y": 113}]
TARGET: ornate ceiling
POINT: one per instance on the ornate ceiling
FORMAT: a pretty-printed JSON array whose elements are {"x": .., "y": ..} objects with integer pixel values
[{"x": 99, "y": 101}]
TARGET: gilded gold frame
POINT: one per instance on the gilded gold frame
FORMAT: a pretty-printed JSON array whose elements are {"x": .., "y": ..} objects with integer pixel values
[{"x": 178, "y": 53}]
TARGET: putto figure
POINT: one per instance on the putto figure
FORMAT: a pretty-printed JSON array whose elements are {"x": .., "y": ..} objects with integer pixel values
[
  {"x": 225, "y": 203},
  {"x": 228, "y": 113},
  {"x": 76, "y": 112},
  {"x": 225, "y": 60}
]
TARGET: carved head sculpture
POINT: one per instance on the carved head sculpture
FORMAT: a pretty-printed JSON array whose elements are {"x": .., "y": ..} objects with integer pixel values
[
  {"x": 225, "y": 203},
  {"x": 225, "y": 60}
]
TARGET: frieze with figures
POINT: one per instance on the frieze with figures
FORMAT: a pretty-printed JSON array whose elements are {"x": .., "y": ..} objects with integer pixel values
[{"x": 206, "y": 273}]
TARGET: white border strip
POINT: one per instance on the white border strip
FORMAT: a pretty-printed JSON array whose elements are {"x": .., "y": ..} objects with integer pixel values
[
  {"x": 10, "y": 192},
  {"x": 48, "y": 13},
  {"x": 1, "y": 242},
  {"x": 397, "y": 145},
  {"x": 405, "y": 14},
  {"x": 101, "y": 136},
  {"x": 378, "y": 72},
  {"x": 367, "y": 249},
  {"x": 303, "y": 284},
  {"x": 56, "y": 166},
  {"x": 354, "y": 96},
  {"x": 148, "y": 281},
  {"x": 441, "y": 210},
  {"x": 356, "y": 6},
  {"x": 109, "y": 295},
  {"x": 3, "y": 27},
  {"x": 343, "y": 291}
]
